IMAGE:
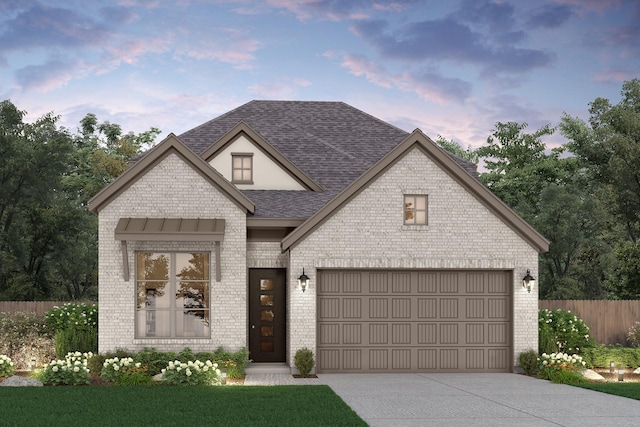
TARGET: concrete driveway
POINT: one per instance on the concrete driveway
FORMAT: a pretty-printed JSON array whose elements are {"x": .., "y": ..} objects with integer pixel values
[{"x": 477, "y": 400}]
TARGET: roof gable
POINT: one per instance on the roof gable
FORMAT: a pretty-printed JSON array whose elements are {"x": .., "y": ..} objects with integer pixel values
[
  {"x": 447, "y": 164},
  {"x": 243, "y": 129},
  {"x": 170, "y": 145}
]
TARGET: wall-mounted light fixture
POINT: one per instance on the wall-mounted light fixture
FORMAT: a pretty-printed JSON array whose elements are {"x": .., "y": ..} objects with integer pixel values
[
  {"x": 303, "y": 281},
  {"x": 528, "y": 281}
]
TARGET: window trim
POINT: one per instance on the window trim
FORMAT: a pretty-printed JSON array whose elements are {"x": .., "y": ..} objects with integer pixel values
[
  {"x": 172, "y": 310},
  {"x": 242, "y": 169},
  {"x": 414, "y": 210}
]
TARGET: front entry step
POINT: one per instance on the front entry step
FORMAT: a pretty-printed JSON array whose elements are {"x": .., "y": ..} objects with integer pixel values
[{"x": 268, "y": 368}]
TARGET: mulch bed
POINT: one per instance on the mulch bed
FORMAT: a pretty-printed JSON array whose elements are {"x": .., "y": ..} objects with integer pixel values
[{"x": 628, "y": 376}]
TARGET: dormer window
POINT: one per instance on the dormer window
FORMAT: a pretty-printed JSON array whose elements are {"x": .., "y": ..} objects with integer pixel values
[{"x": 242, "y": 168}]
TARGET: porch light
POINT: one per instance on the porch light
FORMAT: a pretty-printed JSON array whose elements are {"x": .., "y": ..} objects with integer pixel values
[
  {"x": 528, "y": 281},
  {"x": 303, "y": 281}
]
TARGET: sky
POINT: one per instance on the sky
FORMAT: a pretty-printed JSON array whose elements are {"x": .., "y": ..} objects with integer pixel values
[{"x": 451, "y": 68}]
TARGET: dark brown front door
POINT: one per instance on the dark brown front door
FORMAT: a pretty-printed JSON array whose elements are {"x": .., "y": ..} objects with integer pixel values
[{"x": 267, "y": 311}]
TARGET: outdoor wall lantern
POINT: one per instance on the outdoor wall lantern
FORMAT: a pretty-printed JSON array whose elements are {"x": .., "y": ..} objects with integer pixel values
[
  {"x": 528, "y": 281},
  {"x": 303, "y": 281}
]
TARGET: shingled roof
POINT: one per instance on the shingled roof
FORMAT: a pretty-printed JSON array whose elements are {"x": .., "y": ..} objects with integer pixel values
[{"x": 332, "y": 142}]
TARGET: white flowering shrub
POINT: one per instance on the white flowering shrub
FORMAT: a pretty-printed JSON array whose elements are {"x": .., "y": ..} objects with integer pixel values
[
  {"x": 556, "y": 365},
  {"x": 562, "y": 331},
  {"x": 6, "y": 366},
  {"x": 72, "y": 370},
  {"x": 192, "y": 373},
  {"x": 75, "y": 326},
  {"x": 124, "y": 371}
]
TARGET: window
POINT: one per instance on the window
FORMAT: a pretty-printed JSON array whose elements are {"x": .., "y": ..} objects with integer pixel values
[
  {"x": 242, "y": 168},
  {"x": 172, "y": 294},
  {"x": 415, "y": 209}
]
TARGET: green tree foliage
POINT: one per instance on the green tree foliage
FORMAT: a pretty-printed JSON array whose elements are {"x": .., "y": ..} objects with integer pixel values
[
  {"x": 48, "y": 239},
  {"x": 454, "y": 148}
]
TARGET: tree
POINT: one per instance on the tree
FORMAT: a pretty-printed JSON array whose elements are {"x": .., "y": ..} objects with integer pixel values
[
  {"x": 48, "y": 239},
  {"x": 453, "y": 147}
]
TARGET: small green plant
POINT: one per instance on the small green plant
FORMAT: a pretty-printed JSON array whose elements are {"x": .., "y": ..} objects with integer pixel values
[
  {"x": 6, "y": 366},
  {"x": 192, "y": 373},
  {"x": 72, "y": 370},
  {"x": 556, "y": 366},
  {"x": 304, "y": 361},
  {"x": 75, "y": 326},
  {"x": 528, "y": 361},
  {"x": 633, "y": 336},
  {"x": 562, "y": 331}
]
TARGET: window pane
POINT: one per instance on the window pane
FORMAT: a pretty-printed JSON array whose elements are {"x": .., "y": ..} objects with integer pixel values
[
  {"x": 152, "y": 266},
  {"x": 192, "y": 266},
  {"x": 266, "y": 300},
  {"x": 153, "y": 295},
  {"x": 192, "y": 295},
  {"x": 421, "y": 217},
  {"x": 409, "y": 203},
  {"x": 421, "y": 203},
  {"x": 246, "y": 175},
  {"x": 266, "y": 285},
  {"x": 192, "y": 323},
  {"x": 237, "y": 162},
  {"x": 153, "y": 323}
]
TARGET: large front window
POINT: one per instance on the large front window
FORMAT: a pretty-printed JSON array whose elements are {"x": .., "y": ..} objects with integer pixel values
[{"x": 172, "y": 294}]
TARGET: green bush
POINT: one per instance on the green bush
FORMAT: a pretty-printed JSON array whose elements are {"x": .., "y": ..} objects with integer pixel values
[
  {"x": 633, "y": 336},
  {"x": 562, "y": 331},
  {"x": 72, "y": 370},
  {"x": 234, "y": 364},
  {"x": 528, "y": 361},
  {"x": 26, "y": 339},
  {"x": 601, "y": 356},
  {"x": 75, "y": 326},
  {"x": 304, "y": 361},
  {"x": 153, "y": 359}
]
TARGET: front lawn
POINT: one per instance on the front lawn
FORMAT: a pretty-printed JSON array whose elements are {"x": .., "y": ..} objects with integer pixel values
[
  {"x": 165, "y": 405},
  {"x": 630, "y": 390}
]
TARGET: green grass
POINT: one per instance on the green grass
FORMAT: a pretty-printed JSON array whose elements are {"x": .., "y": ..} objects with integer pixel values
[
  {"x": 166, "y": 406},
  {"x": 630, "y": 390}
]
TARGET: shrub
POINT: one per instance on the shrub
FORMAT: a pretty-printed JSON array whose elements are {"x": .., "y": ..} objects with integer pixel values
[
  {"x": 72, "y": 370},
  {"x": 6, "y": 366},
  {"x": 528, "y": 361},
  {"x": 234, "y": 364},
  {"x": 75, "y": 326},
  {"x": 554, "y": 366},
  {"x": 26, "y": 339},
  {"x": 154, "y": 360},
  {"x": 634, "y": 335},
  {"x": 601, "y": 356},
  {"x": 562, "y": 331},
  {"x": 192, "y": 373},
  {"x": 125, "y": 372},
  {"x": 304, "y": 361}
]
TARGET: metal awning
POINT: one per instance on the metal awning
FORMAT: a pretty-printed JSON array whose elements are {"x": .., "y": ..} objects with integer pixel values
[{"x": 171, "y": 230}]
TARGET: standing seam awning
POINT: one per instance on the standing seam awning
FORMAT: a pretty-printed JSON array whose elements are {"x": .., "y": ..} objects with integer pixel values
[{"x": 172, "y": 230}]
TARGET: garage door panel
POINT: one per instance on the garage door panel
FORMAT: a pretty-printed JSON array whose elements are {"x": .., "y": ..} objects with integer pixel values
[{"x": 398, "y": 323}]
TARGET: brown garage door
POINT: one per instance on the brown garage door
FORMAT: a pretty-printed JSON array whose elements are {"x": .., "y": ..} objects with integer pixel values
[{"x": 414, "y": 321}]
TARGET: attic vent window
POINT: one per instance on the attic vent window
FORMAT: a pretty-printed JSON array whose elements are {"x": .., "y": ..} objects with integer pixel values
[
  {"x": 415, "y": 209},
  {"x": 242, "y": 168}
]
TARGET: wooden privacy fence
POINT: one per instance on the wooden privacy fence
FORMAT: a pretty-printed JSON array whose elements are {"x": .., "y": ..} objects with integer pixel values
[
  {"x": 609, "y": 321},
  {"x": 38, "y": 307}
]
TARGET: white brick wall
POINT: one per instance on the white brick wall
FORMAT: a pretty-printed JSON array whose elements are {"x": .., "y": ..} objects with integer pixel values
[
  {"x": 172, "y": 189},
  {"x": 369, "y": 233}
]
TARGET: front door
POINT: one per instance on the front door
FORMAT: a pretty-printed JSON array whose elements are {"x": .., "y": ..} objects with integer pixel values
[{"x": 267, "y": 311}]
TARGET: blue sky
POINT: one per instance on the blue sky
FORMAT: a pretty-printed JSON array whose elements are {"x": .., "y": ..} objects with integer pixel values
[{"x": 451, "y": 68}]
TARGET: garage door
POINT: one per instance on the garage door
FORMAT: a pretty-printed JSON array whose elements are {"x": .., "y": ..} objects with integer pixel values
[{"x": 414, "y": 321}]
